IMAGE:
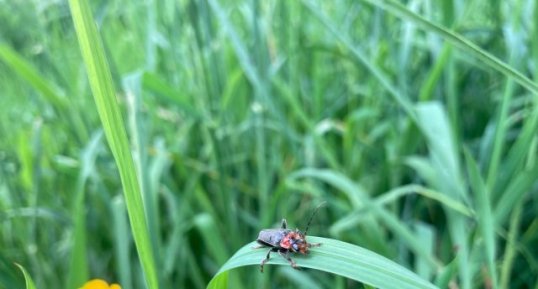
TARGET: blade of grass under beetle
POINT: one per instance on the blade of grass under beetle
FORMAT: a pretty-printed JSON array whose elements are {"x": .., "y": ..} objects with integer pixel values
[
  {"x": 335, "y": 257},
  {"x": 109, "y": 112}
]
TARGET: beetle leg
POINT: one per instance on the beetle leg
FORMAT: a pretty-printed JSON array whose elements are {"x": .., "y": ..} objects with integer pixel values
[
  {"x": 284, "y": 224},
  {"x": 287, "y": 257},
  {"x": 266, "y": 259}
]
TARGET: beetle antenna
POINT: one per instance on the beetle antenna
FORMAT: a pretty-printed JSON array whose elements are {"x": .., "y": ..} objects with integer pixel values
[{"x": 312, "y": 216}]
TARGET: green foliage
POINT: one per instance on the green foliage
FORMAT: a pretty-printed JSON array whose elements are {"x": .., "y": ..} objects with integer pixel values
[{"x": 415, "y": 121}]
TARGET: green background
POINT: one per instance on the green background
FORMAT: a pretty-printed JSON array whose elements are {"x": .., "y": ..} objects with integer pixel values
[{"x": 422, "y": 140}]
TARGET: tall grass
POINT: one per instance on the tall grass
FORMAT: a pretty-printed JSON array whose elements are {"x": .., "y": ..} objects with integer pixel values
[{"x": 416, "y": 122}]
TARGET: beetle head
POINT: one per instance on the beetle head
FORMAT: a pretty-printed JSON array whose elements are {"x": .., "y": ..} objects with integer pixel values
[{"x": 300, "y": 245}]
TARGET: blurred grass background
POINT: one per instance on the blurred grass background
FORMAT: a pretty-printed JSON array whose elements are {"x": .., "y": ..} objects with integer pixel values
[{"x": 244, "y": 112}]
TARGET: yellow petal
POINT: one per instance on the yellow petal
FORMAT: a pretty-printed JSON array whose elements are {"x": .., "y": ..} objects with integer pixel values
[{"x": 99, "y": 284}]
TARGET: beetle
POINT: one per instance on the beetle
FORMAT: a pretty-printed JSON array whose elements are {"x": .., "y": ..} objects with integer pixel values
[{"x": 285, "y": 241}]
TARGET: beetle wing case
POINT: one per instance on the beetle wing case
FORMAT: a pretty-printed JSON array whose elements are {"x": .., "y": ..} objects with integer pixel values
[{"x": 272, "y": 237}]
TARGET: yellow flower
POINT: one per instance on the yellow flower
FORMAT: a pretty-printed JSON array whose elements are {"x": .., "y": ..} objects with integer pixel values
[{"x": 99, "y": 284}]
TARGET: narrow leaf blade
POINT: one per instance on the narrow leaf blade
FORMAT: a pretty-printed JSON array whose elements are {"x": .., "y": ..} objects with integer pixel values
[
  {"x": 29, "y": 282},
  {"x": 335, "y": 257}
]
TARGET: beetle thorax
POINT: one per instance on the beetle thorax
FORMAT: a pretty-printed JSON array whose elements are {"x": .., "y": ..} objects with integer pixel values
[{"x": 295, "y": 241}]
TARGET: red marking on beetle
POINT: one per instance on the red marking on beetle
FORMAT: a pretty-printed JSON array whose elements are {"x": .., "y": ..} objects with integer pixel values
[{"x": 286, "y": 242}]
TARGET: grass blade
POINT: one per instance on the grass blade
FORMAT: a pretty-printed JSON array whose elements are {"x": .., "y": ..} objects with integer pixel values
[
  {"x": 399, "y": 97},
  {"x": 394, "y": 194},
  {"x": 446, "y": 167},
  {"x": 25, "y": 69},
  {"x": 116, "y": 135},
  {"x": 359, "y": 199},
  {"x": 511, "y": 246},
  {"x": 335, "y": 257},
  {"x": 485, "y": 215},
  {"x": 122, "y": 242},
  {"x": 78, "y": 268},
  {"x": 466, "y": 45},
  {"x": 29, "y": 282}
]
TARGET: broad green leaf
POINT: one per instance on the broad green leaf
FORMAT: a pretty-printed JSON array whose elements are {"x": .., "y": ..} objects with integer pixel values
[{"x": 332, "y": 256}]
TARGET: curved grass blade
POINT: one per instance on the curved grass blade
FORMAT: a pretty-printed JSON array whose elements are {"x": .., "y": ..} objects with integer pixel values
[
  {"x": 359, "y": 199},
  {"x": 29, "y": 282},
  {"x": 335, "y": 257}
]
